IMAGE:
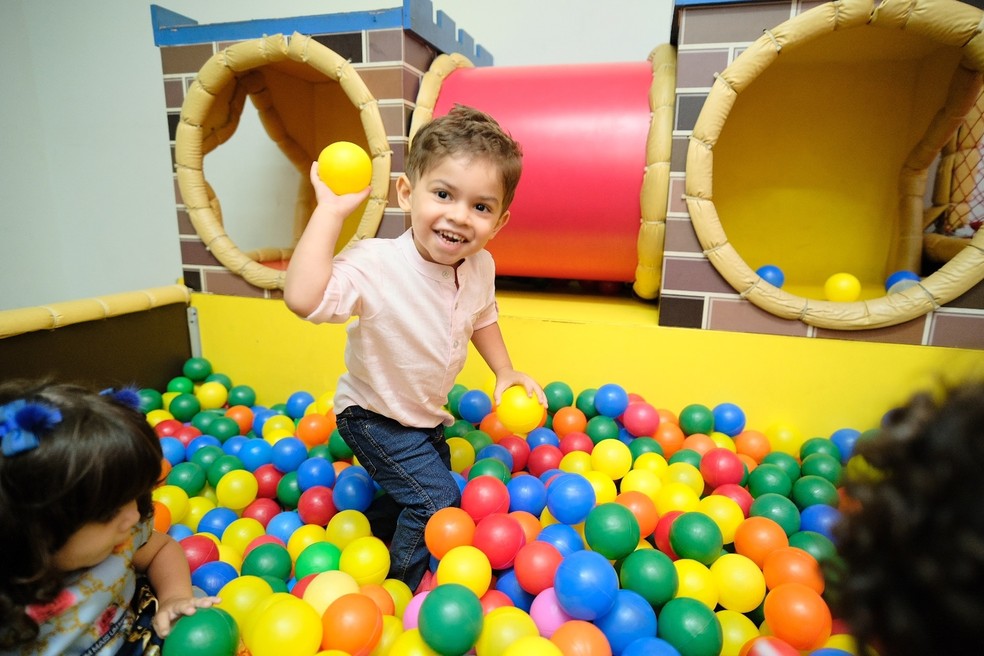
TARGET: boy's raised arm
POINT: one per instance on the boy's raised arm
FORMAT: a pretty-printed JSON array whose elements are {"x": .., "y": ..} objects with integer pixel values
[{"x": 311, "y": 263}]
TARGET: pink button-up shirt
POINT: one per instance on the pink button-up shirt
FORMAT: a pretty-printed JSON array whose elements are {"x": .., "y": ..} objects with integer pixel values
[{"x": 410, "y": 340}]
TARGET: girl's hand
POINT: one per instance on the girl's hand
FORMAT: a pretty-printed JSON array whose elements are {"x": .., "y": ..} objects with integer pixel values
[{"x": 171, "y": 610}]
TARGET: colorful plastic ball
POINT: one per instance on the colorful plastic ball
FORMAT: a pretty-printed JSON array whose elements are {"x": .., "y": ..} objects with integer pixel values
[
  {"x": 346, "y": 526},
  {"x": 468, "y": 566},
  {"x": 345, "y": 167},
  {"x": 900, "y": 281},
  {"x": 586, "y": 585},
  {"x": 527, "y": 493},
  {"x": 690, "y": 627},
  {"x": 501, "y": 628},
  {"x": 366, "y": 559},
  {"x": 771, "y": 274},
  {"x": 209, "y": 632},
  {"x": 612, "y": 530},
  {"x": 565, "y": 538},
  {"x": 483, "y": 496},
  {"x": 792, "y": 565},
  {"x": 352, "y": 624},
  {"x": 650, "y": 573},
  {"x": 283, "y": 525},
  {"x": 536, "y": 565},
  {"x": 500, "y": 537},
  {"x": 580, "y": 638},
  {"x": 811, "y": 490},
  {"x": 825, "y": 465},
  {"x": 285, "y": 626},
  {"x": 695, "y": 535},
  {"x": 601, "y": 428},
  {"x": 570, "y": 497},
  {"x": 532, "y": 646},
  {"x": 255, "y": 453},
  {"x": 237, "y": 489},
  {"x": 779, "y": 509},
  {"x": 640, "y": 419},
  {"x": 611, "y": 400},
  {"x": 353, "y": 493},
  {"x": 769, "y": 478},
  {"x": 288, "y": 454},
  {"x": 720, "y": 466},
  {"x": 268, "y": 560},
  {"x": 696, "y": 418},
  {"x": 216, "y": 521},
  {"x": 446, "y": 606},
  {"x": 184, "y": 406},
  {"x": 611, "y": 457},
  {"x": 493, "y": 467},
  {"x": 723, "y": 511},
  {"x": 820, "y": 519},
  {"x": 736, "y": 630},
  {"x": 474, "y": 405},
  {"x": 316, "y": 505},
  {"x": 817, "y": 545},
  {"x": 798, "y": 615},
  {"x": 842, "y": 288},
  {"x": 508, "y": 584},
  {"x": 547, "y": 613},
  {"x": 315, "y": 471},
  {"x": 328, "y": 586},
  {"x": 768, "y": 645},
  {"x": 211, "y": 577},
  {"x": 241, "y": 595},
  {"x": 199, "y": 550},
  {"x": 448, "y": 528},
  {"x": 188, "y": 476},
  {"x": 728, "y": 419},
  {"x": 569, "y": 420},
  {"x": 316, "y": 558},
  {"x": 757, "y": 537},
  {"x": 740, "y": 583},
  {"x": 262, "y": 510},
  {"x": 696, "y": 582},
  {"x": 630, "y": 618},
  {"x": 518, "y": 411}
]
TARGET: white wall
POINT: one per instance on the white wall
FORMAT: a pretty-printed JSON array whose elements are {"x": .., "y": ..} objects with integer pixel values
[{"x": 86, "y": 192}]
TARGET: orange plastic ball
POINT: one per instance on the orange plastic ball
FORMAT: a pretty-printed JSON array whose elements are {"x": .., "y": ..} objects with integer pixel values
[
  {"x": 757, "y": 537},
  {"x": 798, "y": 615},
  {"x": 670, "y": 437},
  {"x": 242, "y": 415},
  {"x": 753, "y": 443},
  {"x": 448, "y": 528},
  {"x": 580, "y": 638},
  {"x": 315, "y": 428},
  {"x": 353, "y": 624},
  {"x": 792, "y": 565},
  {"x": 569, "y": 419}
]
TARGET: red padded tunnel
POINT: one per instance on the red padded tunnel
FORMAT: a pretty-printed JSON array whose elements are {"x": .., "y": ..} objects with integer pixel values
[{"x": 583, "y": 130}]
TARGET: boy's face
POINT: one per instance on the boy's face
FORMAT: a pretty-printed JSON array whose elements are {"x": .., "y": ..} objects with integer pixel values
[{"x": 455, "y": 208}]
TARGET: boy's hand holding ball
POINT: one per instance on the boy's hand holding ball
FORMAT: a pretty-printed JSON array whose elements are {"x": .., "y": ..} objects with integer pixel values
[{"x": 344, "y": 167}]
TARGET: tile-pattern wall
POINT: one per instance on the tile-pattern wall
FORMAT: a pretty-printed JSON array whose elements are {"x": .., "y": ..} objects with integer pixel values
[
  {"x": 391, "y": 62},
  {"x": 694, "y": 295}
]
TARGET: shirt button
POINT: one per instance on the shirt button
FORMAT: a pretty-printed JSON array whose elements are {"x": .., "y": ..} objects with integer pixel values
[
  {"x": 446, "y": 273},
  {"x": 455, "y": 344}
]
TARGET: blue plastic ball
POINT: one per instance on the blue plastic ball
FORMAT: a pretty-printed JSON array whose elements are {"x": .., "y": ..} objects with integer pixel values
[
  {"x": 173, "y": 449},
  {"x": 901, "y": 280},
  {"x": 508, "y": 584},
  {"x": 256, "y": 453},
  {"x": 771, "y": 274},
  {"x": 611, "y": 400},
  {"x": 650, "y": 647},
  {"x": 212, "y": 576},
  {"x": 527, "y": 493},
  {"x": 297, "y": 404},
  {"x": 820, "y": 518},
  {"x": 353, "y": 492},
  {"x": 315, "y": 471},
  {"x": 498, "y": 452},
  {"x": 844, "y": 439},
  {"x": 260, "y": 416},
  {"x": 570, "y": 497},
  {"x": 586, "y": 585},
  {"x": 288, "y": 454},
  {"x": 283, "y": 524},
  {"x": 729, "y": 419},
  {"x": 235, "y": 444},
  {"x": 179, "y": 532},
  {"x": 630, "y": 619},
  {"x": 216, "y": 520},
  {"x": 562, "y": 537},
  {"x": 542, "y": 435},
  {"x": 201, "y": 442},
  {"x": 474, "y": 405}
]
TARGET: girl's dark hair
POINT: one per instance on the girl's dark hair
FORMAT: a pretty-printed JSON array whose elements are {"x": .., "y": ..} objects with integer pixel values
[
  {"x": 101, "y": 455},
  {"x": 913, "y": 549}
]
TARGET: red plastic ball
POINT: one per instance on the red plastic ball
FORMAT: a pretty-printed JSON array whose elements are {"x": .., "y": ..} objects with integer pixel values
[
  {"x": 262, "y": 510},
  {"x": 316, "y": 506},
  {"x": 484, "y": 495},
  {"x": 535, "y": 566},
  {"x": 543, "y": 458},
  {"x": 576, "y": 442},
  {"x": 661, "y": 535},
  {"x": 500, "y": 537},
  {"x": 199, "y": 550},
  {"x": 738, "y": 494},
  {"x": 519, "y": 449},
  {"x": 267, "y": 479},
  {"x": 719, "y": 466},
  {"x": 640, "y": 419}
]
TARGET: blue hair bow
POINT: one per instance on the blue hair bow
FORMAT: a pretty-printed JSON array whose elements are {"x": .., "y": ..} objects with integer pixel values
[{"x": 21, "y": 423}]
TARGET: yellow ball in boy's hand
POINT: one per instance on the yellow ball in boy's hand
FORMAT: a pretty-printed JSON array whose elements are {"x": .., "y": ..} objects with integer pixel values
[
  {"x": 518, "y": 411},
  {"x": 344, "y": 167}
]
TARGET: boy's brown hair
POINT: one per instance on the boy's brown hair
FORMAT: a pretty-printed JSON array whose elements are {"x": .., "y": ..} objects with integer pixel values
[{"x": 470, "y": 132}]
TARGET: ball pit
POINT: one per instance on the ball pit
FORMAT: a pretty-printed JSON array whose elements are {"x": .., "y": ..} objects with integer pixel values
[{"x": 605, "y": 526}]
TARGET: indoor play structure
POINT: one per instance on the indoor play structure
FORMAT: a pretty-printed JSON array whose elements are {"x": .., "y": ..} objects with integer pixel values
[{"x": 818, "y": 138}]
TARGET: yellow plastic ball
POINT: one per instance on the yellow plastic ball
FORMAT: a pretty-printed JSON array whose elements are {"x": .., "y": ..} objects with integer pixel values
[
  {"x": 302, "y": 538},
  {"x": 237, "y": 489},
  {"x": 155, "y": 417},
  {"x": 401, "y": 593},
  {"x": 676, "y": 496},
  {"x": 212, "y": 395},
  {"x": 411, "y": 643},
  {"x": 467, "y": 566},
  {"x": 612, "y": 457},
  {"x": 684, "y": 472},
  {"x": 725, "y": 512},
  {"x": 241, "y": 595},
  {"x": 240, "y": 532},
  {"x": 462, "y": 454},
  {"x": 345, "y": 526},
  {"x": 519, "y": 412},
  {"x": 366, "y": 559},
  {"x": 175, "y": 498},
  {"x": 289, "y": 626},
  {"x": 575, "y": 462},
  {"x": 653, "y": 462},
  {"x": 736, "y": 630},
  {"x": 392, "y": 629},
  {"x": 642, "y": 480},
  {"x": 197, "y": 507},
  {"x": 696, "y": 581},
  {"x": 786, "y": 439},
  {"x": 502, "y": 627},
  {"x": 277, "y": 423},
  {"x": 740, "y": 582},
  {"x": 344, "y": 167},
  {"x": 328, "y": 586},
  {"x": 842, "y": 288},
  {"x": 604, "y": 487},
  {"x": 532, "y": 646}
]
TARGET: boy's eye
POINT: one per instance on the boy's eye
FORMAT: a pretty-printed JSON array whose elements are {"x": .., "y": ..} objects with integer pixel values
[
  {"x": 482, "y": 207},
  {"x": 442, "y": 194}
]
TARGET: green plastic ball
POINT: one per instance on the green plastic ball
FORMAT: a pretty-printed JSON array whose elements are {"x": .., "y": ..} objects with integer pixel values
[
  {"x": 203, "y": 420},
  {"x": 223, "y": 428},
  {"x": 150, "y": 399},
  {"x": 824, "y": 465},
  {"x": 289, "y": 491},
  {"x": 206, "y": 456},
  {"x": 222, "y": 466},
  {"x": 478, "y": 439},
  {"x": 650, "y": 573},
  {"x": 779, "y": 509},
  {"x": 768, "y": 478},
  {"x": 696, "y": 418},
  {"x": 220, "y": 378},
  {"x": 816, "y": 544},
  {"x": 454, "y": 397},
  {"x": 814, "y": 490},
  {"x": 184, "y": 407},
  {"x": 242, "y": 395},
  {"x": 316, "y": 558},
  {"x": 181, "y": 385},
  {"x": 612, "y": 530},
  {"x": 490, "y": 467},
  {"x": 601, "y": 428},
  {"x": 691, "y": 627},
  {"x": 268, "y": 560},
  {"x": 688, "y": 456},
  {"x": 696, "y": 536},
  {"x": 819, "y": 445},
  {"x": 559, "y": 395},
  {"x": 459, "y": 428},
  {"x": 209, "y": 632},
  {"x": 641, "y": 445},
  {"x": 338, "y": 448},
  {"x": 446, "y": 606},
  {"x": 788, "y": 463},
  {"x": 189, "y": 476},
  {"x": 197, "y": 369}
]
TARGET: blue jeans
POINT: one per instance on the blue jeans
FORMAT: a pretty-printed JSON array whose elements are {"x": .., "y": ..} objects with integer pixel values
[{"x": 413, "y": 466}]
